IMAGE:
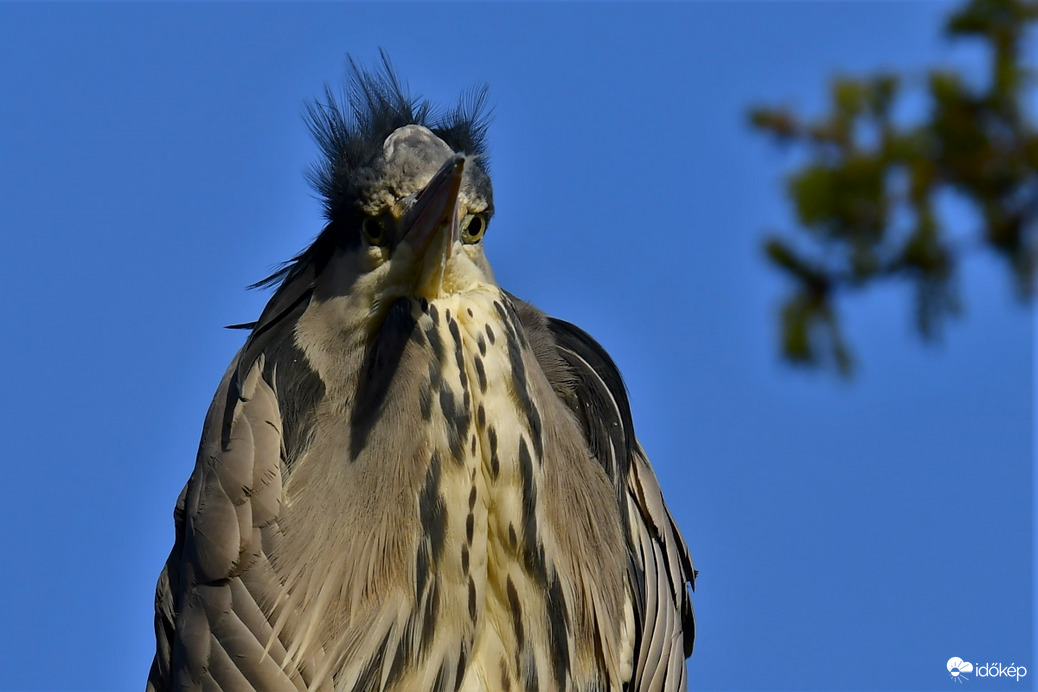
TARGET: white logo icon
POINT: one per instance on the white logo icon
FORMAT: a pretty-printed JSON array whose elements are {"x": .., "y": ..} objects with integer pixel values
[{"x": 956, "y": 666}]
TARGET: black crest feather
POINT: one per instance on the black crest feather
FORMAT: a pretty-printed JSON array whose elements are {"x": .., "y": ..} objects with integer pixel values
[{"x": 351, "y": 127}]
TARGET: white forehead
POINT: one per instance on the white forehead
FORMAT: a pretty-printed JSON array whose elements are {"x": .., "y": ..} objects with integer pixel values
[
  {"x": 411, "y": 156},
  {"x": 415, "y": 147}
]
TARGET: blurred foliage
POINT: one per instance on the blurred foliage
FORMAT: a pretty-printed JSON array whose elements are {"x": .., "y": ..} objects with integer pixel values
[{"x": 867, "y": 197}]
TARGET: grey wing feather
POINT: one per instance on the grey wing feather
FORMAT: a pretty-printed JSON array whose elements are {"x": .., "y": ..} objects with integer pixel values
[
  {"x": 211, "y": 620},
  {"x": 586, "y": 379},
  {"x": 668, "y": 636}
]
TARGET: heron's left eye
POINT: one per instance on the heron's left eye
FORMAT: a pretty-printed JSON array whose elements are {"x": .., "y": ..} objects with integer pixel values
[
  {"x": 375, "y": 230},
  {"x": 473, "y": 227}
]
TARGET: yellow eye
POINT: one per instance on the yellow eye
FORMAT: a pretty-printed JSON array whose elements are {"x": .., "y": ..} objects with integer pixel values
[
  {"x": 473, "y": 227},
  {"x": 374, "y": 229}
]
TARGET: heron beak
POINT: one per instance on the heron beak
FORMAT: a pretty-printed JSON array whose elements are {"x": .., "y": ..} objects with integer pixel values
[
  {"x": 435, "y": 208},
  {"x": 432, "y": 227}
]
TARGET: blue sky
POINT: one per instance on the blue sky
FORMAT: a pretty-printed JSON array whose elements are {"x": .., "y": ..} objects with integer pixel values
[{"x": 849, "y": 536}]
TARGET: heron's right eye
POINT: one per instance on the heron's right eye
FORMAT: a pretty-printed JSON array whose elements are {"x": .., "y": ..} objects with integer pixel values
[
  {"x": 473, "y": 227},
  {"x": 374, "y": 229}
]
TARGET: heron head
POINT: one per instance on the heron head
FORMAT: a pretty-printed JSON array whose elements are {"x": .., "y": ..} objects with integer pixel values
[
  {"x": 416, "y": 221},
  {"x": 407, "y": 196}
]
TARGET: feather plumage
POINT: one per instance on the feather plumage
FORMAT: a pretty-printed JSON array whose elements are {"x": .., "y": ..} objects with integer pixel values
[{"x": 397, "y": 491}]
